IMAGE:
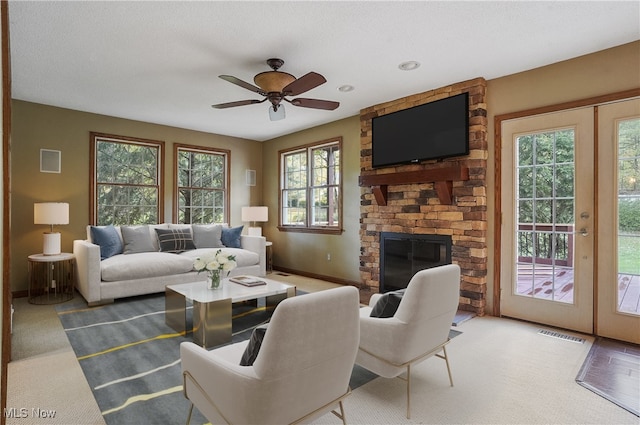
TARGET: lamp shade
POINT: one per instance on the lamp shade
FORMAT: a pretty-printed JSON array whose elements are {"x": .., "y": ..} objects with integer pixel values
[
  {"x": 255, "y": 213},
  {"x": 51, "y": 213}
]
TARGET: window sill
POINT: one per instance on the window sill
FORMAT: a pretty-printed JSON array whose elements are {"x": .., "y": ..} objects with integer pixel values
[{"x": 318, "y": 230}]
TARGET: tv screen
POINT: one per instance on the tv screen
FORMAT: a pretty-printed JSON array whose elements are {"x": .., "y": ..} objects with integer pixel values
[{"x": 434, "y": 130}]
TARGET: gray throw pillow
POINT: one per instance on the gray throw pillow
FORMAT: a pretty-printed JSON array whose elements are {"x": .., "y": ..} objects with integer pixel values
[
  {"x": 137, "y": 239},
  {"x": 207, "y": 235},
  {"x": 388, "y": 304},
  {"x": 175, "y": 240},
  {"x": 108, "y": 239},
  {"x": 251, "y": 352}
]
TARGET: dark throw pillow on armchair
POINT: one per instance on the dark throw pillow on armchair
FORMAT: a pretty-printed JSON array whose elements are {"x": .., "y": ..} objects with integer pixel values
[
  {"x": 251, "y": 352},
  {"x": 388, "y": 304}
]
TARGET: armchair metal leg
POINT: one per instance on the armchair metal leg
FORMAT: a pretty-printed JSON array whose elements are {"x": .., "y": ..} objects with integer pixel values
[
  {"x": 409, "y": 391},
  {"x": 190, "y": 412},
  {"x": 344, "y": 419},
  {"x": 446, "y": 359}
]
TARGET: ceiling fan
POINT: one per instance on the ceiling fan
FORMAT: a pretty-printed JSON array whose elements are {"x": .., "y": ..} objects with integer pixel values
[{"x": 275, "y": 86}]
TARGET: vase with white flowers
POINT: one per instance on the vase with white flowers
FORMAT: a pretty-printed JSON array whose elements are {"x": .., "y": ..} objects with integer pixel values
[{"x": 215, "y": 264}]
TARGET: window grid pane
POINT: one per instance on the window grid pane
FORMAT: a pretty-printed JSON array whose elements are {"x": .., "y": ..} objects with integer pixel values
[
  {"x": 127, "y": 188},
  {"x": 545, "y": 212},
  {"x": 318, "y": 183},
  {"x": 628, "y": 244},
  {"x": 201, "y": 188}
]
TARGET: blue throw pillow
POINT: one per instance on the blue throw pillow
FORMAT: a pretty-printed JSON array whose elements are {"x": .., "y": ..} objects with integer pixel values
[
  {"x": 231, "y": 236},
  {"x": 108, "y": 239}
]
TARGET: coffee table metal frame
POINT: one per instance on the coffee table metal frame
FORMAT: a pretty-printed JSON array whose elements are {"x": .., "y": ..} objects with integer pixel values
[{"x": 212, "y": 308}]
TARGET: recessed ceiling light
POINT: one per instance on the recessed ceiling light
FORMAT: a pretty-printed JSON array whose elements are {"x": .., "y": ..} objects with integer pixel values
[
  {"x": 409, "y": 65},
  {"x": 346, "y": 88}
]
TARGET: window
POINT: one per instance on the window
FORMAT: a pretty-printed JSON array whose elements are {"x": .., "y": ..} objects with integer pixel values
[
  {"x": 310, "y": 188},
  {"x": 126, "y": 180},
  {"x": 201, "y": 184}
]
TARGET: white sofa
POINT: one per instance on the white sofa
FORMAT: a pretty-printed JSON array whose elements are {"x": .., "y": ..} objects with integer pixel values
[{"x": 134, "y": 273}]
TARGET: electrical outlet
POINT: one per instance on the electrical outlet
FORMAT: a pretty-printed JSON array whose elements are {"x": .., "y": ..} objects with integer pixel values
[{"x": 328, "y": 256}]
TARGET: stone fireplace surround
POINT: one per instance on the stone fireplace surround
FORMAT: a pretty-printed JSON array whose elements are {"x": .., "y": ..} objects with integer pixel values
[{"x": 443, "y": 197}]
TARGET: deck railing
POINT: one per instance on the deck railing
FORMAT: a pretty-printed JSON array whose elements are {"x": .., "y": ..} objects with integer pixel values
[{"x": 546, "y": 244}]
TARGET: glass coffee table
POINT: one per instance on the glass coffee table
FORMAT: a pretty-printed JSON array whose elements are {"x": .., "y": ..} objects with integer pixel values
[{"x": 212, "y": 307}]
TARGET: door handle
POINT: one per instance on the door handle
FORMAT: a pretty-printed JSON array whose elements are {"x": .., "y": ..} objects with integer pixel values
[{"x": 584, "y": 232}]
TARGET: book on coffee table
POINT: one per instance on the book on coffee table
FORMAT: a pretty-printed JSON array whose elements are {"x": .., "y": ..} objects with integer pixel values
[{"x": 247, "y": 280}]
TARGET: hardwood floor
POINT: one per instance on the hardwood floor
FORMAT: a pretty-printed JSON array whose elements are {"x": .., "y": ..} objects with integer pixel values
[{"x": 558, "y": 285}]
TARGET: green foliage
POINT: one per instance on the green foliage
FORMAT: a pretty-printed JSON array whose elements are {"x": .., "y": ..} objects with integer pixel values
[
  {"x": 546, "y": 177},
  {"x": 201, "y": 186},
  {"x": 629, "y": 215},
  {"x": 628, "y": 258},
  {"x": 127, "y": 183}
]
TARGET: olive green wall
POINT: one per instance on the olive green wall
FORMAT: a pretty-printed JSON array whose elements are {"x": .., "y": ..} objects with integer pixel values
[
  {"x": 36, "y": 126},
  {"x": 307, "y": 252},
  {"x": 603, "y": 72}
]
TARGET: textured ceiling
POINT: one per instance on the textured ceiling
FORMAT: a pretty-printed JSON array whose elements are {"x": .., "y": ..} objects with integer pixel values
[{"x": 159, "y": 61}]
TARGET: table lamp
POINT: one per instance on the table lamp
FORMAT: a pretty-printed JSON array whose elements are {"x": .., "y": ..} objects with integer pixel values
[
  {"x": 253, "y": 214},
  {"x": 51, "y": 213}
]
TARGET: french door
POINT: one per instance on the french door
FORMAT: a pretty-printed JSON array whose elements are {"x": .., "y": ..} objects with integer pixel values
[
  {"x": 618, "y": 224},
  {"x": 547, "y": 220},
  {"x": 570, "y": 253}
]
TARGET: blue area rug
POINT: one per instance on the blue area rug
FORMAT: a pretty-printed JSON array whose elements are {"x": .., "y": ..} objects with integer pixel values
[{"x": 131, "y": 358}]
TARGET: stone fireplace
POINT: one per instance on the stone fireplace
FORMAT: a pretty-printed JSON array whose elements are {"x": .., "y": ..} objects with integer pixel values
[{"x": 445, "y": 197}]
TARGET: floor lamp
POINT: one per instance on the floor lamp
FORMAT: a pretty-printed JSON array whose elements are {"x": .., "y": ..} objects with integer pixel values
[
  {"x": 51, "y": 213},
  {"x": 253, "y": 214}
]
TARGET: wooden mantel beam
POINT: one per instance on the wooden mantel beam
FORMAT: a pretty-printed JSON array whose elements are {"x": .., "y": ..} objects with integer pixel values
[{"x": 442, "y": 177}]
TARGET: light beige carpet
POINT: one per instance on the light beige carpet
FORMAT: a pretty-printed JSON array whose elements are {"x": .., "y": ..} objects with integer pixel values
[
  {"x": 504, "y": 373},
  {"x": 44, "y": 375}
]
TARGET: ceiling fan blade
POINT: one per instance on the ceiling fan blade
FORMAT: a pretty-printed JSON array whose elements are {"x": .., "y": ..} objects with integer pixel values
[
  {"x": 243, "y": 84},
  {"x": 303, "y": 84},
  {"x": 238, "y": 103},
  {"x": 314, "y": 103}
]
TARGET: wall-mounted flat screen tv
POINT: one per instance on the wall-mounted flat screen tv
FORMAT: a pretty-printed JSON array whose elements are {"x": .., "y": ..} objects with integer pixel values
[{"x": 434, "y": 130}]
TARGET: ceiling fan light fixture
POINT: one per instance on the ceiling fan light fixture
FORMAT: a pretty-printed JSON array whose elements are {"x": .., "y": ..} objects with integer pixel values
[
  {"x": 273, "y": 81},
  {"x": 276, "y": 112},
  {"x": 409, "y": 65}
]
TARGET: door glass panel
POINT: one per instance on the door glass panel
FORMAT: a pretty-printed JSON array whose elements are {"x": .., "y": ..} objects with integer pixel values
[
  {"x": 545, "y": 215},
  {"x": 628, "y": 132}
]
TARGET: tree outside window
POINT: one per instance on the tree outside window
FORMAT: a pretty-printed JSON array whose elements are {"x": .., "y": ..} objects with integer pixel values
[
  {"x": 201, "y": 183},
  {"x": 310, "y": 188},
  {"x": 126, "y": 180}
]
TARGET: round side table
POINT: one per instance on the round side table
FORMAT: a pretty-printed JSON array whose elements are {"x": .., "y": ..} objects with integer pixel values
[
  {"x": 51, "y": 278},
  {"x": 269, "y": 253}
]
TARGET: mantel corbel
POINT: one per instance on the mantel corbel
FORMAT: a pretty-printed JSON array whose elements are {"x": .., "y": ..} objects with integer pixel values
[{"x": 442, "y": 178}]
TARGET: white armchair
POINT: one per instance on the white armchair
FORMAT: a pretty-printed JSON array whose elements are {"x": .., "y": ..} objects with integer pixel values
[
  {"x": 302, "y": 369},
  {"x": 418, "y": 330}
]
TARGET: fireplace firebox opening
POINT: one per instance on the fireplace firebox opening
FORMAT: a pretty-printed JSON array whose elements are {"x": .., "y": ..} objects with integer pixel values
[{"x": 402, "y": 255}]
